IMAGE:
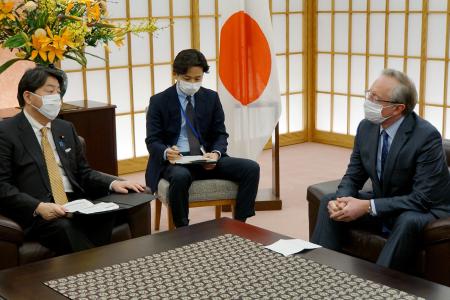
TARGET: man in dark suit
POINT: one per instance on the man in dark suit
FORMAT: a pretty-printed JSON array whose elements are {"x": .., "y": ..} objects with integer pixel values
[
  {"x": 187, "y": 119},
  {"x": 42, "y": 167},
  {"x": 403, "y": 156}
]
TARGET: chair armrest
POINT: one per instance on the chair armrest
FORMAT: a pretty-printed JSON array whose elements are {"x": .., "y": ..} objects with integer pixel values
[
  {"x": 437, "y": 231},
  {"x": 10, "y": 231}
]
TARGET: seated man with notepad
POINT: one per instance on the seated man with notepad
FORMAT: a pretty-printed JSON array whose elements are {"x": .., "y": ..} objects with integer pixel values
[
  {"x": 186, "y": 120},
  {"x": 42, "y": 167}
]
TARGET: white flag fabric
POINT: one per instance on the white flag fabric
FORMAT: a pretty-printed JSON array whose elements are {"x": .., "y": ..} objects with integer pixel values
[{"x": 248, "y": 78}]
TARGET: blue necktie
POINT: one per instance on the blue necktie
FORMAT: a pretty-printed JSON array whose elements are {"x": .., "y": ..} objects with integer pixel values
[{"x": 384, "y": 151}]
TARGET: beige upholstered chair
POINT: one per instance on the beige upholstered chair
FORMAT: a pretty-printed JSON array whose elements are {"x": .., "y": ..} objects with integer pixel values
[{"x": 209, "y": 192}]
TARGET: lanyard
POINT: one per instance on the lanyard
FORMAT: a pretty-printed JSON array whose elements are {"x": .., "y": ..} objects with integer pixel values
[{"x": 190, "y": 125}]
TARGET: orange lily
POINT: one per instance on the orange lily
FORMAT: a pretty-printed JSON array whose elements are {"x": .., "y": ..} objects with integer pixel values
[
  {"x": 40, "y": 44},
  {"x": 6, "y": 8}
]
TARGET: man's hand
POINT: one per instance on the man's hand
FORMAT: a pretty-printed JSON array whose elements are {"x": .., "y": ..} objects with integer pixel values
[
  {"x": 211, "y": 155},
  {"x": 351, "y": 209},
  {"x": 122, "y": 187},
  {"x": 173, "y": 154},
  {"x": 335, "y": 206},
  {"x": 50, "y": 211}
]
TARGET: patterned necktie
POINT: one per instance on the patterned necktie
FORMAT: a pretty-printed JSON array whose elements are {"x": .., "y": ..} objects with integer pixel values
[
  {"x": 56, "y": 183},
  {"x": 384, "y": 151},
  {"x": 194, "y": 145}
]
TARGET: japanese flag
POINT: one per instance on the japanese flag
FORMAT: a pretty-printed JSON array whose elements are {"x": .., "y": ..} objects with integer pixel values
[{"x": 248, "y": 80}]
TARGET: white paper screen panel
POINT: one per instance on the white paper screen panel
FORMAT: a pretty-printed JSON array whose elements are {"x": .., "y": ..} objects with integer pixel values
[
  {"x": 396, "y": 34},
  {"x": 163, "y": 77},
  {"x": 161, "y": 42},
  {"x": 376, "y": 35},
  {"x": 120, "y": 90},
  {"x": 140, "y": 134},
  {"x": 447, "y": 124},
  {"x": 281, "y": 65},
  {"x": 434, "y": 91},
  {"x": 278, "y": 5},
  {"x": 208, "y": 37},
  {"x": 415, "y": 5},
  {"x": 207, "y": 7},
  {"x": 75, "y": 87},
  {"x": 356, "y": 113},
  {"x": 358, "y": 75},
  {"x": 295, "y": 112},
  {"x": 295, "y": 32},
  {"x": 139, "y": 8},
  {"x": 92, "y": 60},
  {"x": 160, "y": 8},
  {"x": 117, "y": 9},
  {"x": 437, "y": 5},
  {"x": 324, "y": 5},
  {"x": 437, "y": 24},
  {"x": 341, "y": 5},
  {"x": 295, "y": 72},
  {"x": 323, "y": 112},
  {"x": 96, "y": 86},
  {"x": 341, "y": 32},
  {"x": 279, "y": 26},
  {"x": 324, "y": 72},
  {"x": 434, "y": 115},
  {"x": 141, "y": 87},
  {"x": 324, "y": 32},
  {"x": 359, "y": 22},
  {"x": 118, "y": 57},
  {"x": 181, "y": 7},
  {"x": 295, "y": 5},
  {"x": 140, "y": 48},
  {"x": 413, "y": 71},
  {"x": 210, "y": 79},
  {"x": 182, "y": 34},
  {"x": 358, "y": 5},
  {"x": 397, "y": 5},
  {"x": 378, "y": 5},
  {"x": 340, "y": 114},
  {"x": 124, "y": 139},
  {"x": 414, "y": 34},
  {"x": 340, "y": 73}
]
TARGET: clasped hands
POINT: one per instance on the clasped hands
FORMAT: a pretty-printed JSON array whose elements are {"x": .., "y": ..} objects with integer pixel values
[
  {"x": 346, "y": 209},
  {"x": 173, "y": 154},
  {"x": 50, "y": 211}
]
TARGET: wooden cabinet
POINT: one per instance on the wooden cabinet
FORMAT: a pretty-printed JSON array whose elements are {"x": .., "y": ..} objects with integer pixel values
[{"x": 96, "y": 123}]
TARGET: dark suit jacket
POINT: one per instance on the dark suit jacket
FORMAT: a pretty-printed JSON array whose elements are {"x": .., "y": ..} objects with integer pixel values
[
  {"x": 416, "y": 176},
  {"x": 23, "y": 176},
  {"x": 164, "y": 125}
]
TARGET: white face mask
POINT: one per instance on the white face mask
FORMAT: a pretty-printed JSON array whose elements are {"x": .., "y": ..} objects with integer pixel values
[
  {"x": 189, "y": 88},
  {"x": 51, "y": 105},
  {"x": 372, "y": 112}
]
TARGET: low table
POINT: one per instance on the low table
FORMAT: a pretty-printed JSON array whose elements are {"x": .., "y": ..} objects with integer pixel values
[{"x": 26, "y": 282}]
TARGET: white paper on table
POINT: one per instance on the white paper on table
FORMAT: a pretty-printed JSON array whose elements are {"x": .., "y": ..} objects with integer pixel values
[
  {"x": 87, "y": 207},
  {"x": 291, "y": 246},
  {"x": 189, "y": 159}
]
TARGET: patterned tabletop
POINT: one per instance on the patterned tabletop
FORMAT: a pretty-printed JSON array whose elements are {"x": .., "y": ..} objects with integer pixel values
[{"x": 224, "y": 267}]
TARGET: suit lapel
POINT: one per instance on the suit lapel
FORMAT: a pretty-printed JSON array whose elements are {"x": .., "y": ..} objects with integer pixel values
[
  {"x": 175, "y": 109},
  {"x": 400, "y": 139},
  {"x": 200, "y": 106},
  {"x": 33, "y": 148}
]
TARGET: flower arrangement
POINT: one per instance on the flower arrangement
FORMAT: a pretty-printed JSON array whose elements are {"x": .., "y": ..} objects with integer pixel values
[{"x": 47, "y": 31}]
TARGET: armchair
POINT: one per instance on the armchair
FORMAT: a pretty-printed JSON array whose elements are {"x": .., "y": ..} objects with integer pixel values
[{"x": 433, "y": 261}]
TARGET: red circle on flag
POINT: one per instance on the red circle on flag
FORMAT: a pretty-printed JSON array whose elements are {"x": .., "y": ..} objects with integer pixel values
[{"x": 245, "y": 62}]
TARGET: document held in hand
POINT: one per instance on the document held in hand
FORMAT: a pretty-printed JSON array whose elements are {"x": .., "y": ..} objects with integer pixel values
[
  {"x": 87, "y": 207},
  {"x": 194, "y": 159}
]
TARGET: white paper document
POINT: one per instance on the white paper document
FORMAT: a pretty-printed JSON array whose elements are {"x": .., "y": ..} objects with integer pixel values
[
  {"x": 194, "y": 159},
  {"x": 291, "y": 246},
  {"x": 87, "y": 207}
]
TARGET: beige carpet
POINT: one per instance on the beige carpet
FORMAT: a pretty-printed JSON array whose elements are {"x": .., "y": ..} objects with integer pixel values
[{"x": 300, "y": 166}]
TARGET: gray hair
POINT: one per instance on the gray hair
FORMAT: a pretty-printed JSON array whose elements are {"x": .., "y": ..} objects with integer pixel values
[{"x": 405, "y": 92}]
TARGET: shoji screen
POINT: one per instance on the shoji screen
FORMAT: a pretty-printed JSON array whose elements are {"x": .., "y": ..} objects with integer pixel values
[
  {"x": 287, "y": 20},
  {"x": 357, "y": 39},
  {"x": 130, "y": 75}
]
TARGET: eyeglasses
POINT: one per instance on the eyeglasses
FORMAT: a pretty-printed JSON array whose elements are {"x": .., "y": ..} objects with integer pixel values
[{"x": 371, "y": 97}]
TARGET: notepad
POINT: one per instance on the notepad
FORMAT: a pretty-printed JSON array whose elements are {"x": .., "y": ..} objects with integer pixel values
[
  {"x": 87, "y": 207},
  {"x": 194, "y": 159}
]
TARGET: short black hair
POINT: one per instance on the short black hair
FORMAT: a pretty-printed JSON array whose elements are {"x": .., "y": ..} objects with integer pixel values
[
  {"x": 189, "y": 58},
  {"x": 37, "y": 77}
]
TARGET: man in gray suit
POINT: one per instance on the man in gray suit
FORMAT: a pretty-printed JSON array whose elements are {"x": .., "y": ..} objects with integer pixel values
[{"x": 402, "y": 154}]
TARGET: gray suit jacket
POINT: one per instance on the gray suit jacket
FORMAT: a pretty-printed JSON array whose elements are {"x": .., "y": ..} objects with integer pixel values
[
  {"x": 416, "y": 176},
  {"x": 24, "y": 180}
]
